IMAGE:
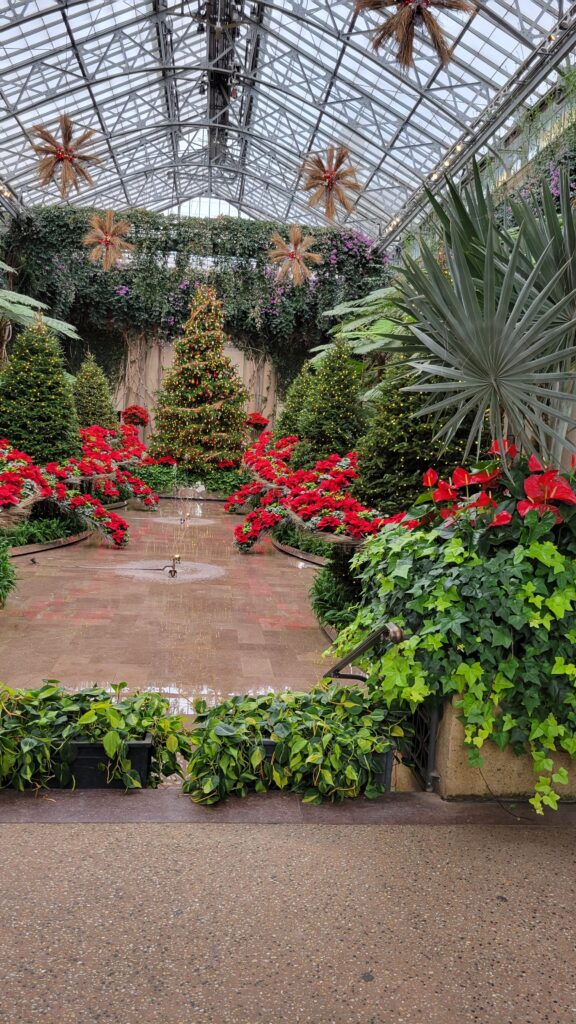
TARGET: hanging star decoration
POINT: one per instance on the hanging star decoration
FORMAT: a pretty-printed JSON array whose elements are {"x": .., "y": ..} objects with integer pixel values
[
  {"x": 331, "y": 180},
  {"x": 64, "y": 160},
  {"x": 107, "y": 240},
  {"x": 293, "y": 256},
  {"x": 410, "y": 15}
]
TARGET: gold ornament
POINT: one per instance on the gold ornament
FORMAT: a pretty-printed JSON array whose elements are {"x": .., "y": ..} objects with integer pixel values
[
  {"x": 106, "y": 237},
  {"x": 65, "y": 157},
  {"x": 292, "y": 257},
  {"x": 331, "y": 180},
  {"x": 409, "y": 15}
]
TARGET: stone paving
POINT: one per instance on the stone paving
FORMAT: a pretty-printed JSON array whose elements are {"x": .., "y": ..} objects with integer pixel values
[
  {"x": 227, "y": 623},
  {"x": 286, "y": 924}
]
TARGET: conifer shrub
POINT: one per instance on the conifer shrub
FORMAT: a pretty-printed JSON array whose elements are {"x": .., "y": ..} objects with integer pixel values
[
  {"x": 200, "y": 410},
  {"x": 92, "y": 396},
  {"x": 7, "y": 574},
  {"x": 332, "y": 417},
  {"x": 37, "y": 412},
  {"x": 398, "y": 447},
  {"x": 288, "y": 422}
]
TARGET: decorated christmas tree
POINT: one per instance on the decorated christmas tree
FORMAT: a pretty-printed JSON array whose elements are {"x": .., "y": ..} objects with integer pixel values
[
  {"x": 200, "y": 408},
  {"x": 92, "y": 396},
  {"x": 37, "y": 411}
]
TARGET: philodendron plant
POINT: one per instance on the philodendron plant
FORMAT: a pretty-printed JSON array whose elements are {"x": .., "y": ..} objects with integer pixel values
[
  {"x": 39, "y": 728},
  {"x": 328, "y": 745}
]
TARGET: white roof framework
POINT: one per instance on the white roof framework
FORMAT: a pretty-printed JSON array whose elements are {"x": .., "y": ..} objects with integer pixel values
[{"x": 224, "y": 98}]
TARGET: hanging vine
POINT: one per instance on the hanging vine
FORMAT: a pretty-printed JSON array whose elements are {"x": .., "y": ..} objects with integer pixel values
[{"x": 151, "y": 293}]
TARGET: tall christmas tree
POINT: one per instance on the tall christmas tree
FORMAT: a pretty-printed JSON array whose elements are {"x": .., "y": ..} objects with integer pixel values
[
  {"x": 92, "y": 396},
  {"x": 200, "y": 408},
  {"x": 37, "y": 411}
]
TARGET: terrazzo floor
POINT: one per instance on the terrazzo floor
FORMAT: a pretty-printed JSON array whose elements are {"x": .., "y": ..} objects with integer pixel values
[
  {"x": 227, "y": 623},
  {"x": 243, "y": 924}
]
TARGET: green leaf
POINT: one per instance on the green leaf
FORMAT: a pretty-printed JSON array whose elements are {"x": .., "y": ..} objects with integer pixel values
[
  {"x": 87, "y": 718},
  {"x": 223, "y": 729},
  {"x": 111, "y": 742},
  {"x": 172, "y": 743}
]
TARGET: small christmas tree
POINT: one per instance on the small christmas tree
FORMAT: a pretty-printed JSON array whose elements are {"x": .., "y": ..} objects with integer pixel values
[
  {"x": 295, "y": 400},
  {"x": 37, "y": 412},
  {"x": 200, "y": 409},
  {"x": 399, "y": 447},
  {"x": 92, "y": 396},
  {"x": 332, "y": 417}
]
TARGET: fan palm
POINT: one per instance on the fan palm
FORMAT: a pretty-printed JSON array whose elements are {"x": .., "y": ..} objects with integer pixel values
[
  {"x": 499, "y": 349},
  {"x": 24, "y": 311}
]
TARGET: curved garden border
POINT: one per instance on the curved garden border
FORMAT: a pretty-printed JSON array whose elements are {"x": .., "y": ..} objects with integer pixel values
[
  {"x": 62, "y": 542},
  {"x": 304, "y": 556}
]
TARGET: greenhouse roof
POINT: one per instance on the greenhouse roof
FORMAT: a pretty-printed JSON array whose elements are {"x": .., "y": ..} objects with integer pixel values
[{"x": 223, "y": 99}]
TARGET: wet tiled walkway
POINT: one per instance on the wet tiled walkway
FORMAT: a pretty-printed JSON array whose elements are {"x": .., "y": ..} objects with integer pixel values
[{"x": 227, "y": 623}]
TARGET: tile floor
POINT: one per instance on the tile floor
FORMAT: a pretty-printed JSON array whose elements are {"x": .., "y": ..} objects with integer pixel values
[{"x": 227, "y": 623}]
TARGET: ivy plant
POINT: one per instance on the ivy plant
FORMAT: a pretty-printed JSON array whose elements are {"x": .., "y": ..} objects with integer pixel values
[{"x": 492, "y": 626}]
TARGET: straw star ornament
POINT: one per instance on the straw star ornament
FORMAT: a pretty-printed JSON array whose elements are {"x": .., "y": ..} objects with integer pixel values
[
  {"x": 330, "y": 180},
  {"x": 64, "y": 160},
  {"x": 410, "y": 15},
  {"x": 107, "y": 239},
  {"x": 292, "y": 256}
]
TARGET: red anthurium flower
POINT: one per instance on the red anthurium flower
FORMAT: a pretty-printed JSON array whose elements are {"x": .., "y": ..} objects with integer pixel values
[
  {"x": 524, "y": 507},
  {"x": 486, "y": 477},
  {"x": 534, "y": 466},
  {"x": 549, "y": 486},
  {"x": 510, "y": 449},
  {"x": 445, "y": 492},
  {"x": 461, "y": 477},
  {"x": 501, "y": 519},
  {"x": 430, "y": 478}
]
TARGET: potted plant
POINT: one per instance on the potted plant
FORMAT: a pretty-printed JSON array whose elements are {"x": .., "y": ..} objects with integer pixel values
[
  {"x": 91, "y": 738},
  {"x": 328, "y": 744}
]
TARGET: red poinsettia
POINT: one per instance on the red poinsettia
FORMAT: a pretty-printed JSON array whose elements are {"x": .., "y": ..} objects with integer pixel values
[
  {"x": 256, "y": 420},
  {"x": 136, "y": 416}
]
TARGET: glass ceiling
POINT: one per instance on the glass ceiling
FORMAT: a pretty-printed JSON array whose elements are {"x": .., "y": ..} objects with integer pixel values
[{"x": 221, "y": 100}]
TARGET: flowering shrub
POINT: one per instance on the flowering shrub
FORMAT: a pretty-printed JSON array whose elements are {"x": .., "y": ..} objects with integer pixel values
[{"x": 136, "y": 416}]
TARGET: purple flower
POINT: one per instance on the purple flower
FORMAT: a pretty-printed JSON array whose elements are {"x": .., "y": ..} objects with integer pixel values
[
  {"x": 122, "y": 289},
  {"x": 184, "y": 285}
]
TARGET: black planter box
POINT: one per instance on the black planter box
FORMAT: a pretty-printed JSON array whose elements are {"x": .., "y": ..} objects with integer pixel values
[{"x": 89, "y": 755}]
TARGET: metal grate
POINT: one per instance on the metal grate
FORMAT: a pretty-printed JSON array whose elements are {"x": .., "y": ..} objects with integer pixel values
[{"x": 421, "y": 753}]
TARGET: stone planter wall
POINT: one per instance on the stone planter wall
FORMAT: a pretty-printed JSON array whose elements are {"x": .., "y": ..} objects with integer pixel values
[{"x": 505, "y": 774}]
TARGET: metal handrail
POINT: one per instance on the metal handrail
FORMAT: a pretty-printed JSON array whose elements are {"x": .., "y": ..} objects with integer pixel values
[{"x": 395, "y": 636}]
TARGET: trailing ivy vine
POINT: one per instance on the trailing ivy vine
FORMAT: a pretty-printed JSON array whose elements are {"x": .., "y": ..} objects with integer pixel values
[{"x": 151, "y": 295}]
